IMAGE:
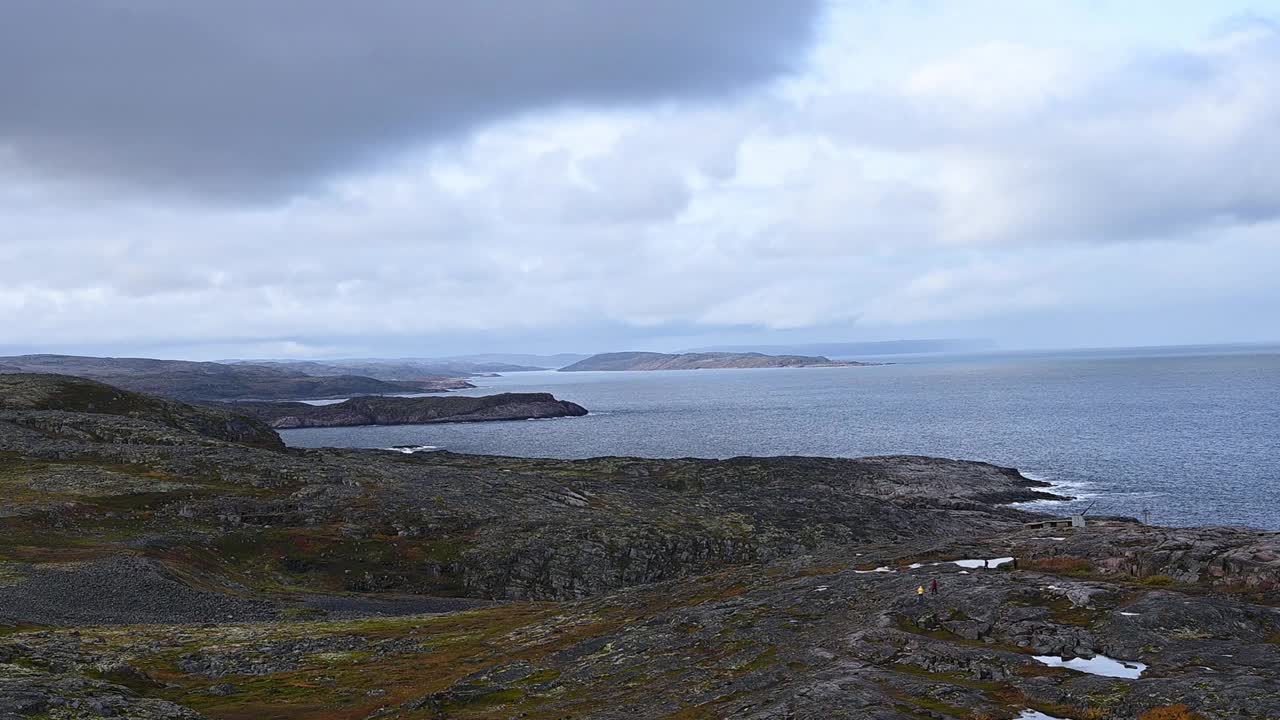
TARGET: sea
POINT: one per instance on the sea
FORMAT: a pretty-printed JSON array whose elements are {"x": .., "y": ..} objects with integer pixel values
[{"x": 1174, "y": 436}]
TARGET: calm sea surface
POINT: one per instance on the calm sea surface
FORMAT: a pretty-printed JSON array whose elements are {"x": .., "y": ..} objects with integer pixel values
[{"x": 1188, "y": 435}]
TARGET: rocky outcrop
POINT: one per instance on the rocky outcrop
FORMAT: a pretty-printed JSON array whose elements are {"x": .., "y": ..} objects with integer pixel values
[
  {"x": 147, "y": 569},
  {"x": 698, "y": 361},
  {"x": 1224, "y": 558},
  {"x": 413, "y": 411}
]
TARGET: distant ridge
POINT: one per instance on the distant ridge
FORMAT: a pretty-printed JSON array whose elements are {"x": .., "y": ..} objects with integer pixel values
[
  {"x": 185, "y": 380},
  {"x": 698, "y": 361},
  {"x": 557, "y": 360}
]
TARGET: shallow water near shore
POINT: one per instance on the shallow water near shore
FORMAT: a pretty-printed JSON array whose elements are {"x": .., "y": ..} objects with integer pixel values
[{"x": 1186, "y": 436}]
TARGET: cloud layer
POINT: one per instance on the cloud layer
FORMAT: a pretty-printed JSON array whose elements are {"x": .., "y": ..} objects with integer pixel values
[
  {"x": 241, "y": 98},
  {"x": 1036, "y": 190}
]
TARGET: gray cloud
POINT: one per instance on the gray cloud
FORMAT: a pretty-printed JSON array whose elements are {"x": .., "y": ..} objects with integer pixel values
[{"x": 239, "y": 98}]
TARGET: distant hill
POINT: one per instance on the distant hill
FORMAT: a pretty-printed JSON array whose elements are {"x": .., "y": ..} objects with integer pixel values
[
  {"x": 698, "y": 361},
  {"x": 862, "y": 349},
  {"x": 185, "y": 380}
]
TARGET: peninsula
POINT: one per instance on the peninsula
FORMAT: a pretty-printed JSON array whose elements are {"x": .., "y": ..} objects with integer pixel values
[
  {"x": 411, "y": 411},
  {"x": 701, "y": 361}
]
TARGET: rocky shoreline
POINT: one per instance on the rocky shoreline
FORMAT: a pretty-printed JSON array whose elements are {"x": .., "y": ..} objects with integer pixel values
[{"x": 168, "y": 561}]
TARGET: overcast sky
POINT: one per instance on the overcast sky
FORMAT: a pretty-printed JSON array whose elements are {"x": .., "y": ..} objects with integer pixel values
[{"x": 317, "y": 178}]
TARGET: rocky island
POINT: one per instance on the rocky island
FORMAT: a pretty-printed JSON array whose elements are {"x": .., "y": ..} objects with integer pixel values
[
  {"x": 700, "y": 361},
  {"x": 166, "y": 561},
  {"x": 412, "y": 411}
]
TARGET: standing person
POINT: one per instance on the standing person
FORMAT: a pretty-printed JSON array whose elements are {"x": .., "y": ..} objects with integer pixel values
[
  {"x": 920, "y": 595},
  {"x": 933, "y": 587}
]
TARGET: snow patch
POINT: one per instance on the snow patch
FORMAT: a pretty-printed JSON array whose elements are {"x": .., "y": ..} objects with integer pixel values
[
  {"x": 411, "y": 449},
  {"x": 981, "y": 563},
  {"x": 1097, "y": 665},
  {"x": 1033, "y": 715}
]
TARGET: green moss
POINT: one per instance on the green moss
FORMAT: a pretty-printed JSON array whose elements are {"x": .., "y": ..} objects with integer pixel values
[
  {"x": 766, "y": 659},
  {"x": 946, "y": 678},
  {"x": 1061, "y": 609},
  {"x": 541, "y": 677},
  {"x": 323, "y": 558},
  {"x": 907, "y": 625},
  {"x": 487, "y": 700},
  {"x": 933, "y": 705}
]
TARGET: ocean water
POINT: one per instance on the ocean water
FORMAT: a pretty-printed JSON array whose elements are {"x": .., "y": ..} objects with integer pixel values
[{"x": 1181, "y": 436}]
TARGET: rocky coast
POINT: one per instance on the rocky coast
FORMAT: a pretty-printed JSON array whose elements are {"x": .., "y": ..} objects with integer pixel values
[{"x": 160, "y": 560}]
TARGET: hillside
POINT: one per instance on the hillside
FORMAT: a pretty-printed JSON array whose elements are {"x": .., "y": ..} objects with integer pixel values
[
  {"x": 699, "y": 361},
  {"x": 185, "y": 380},
  {"x": 412, "y": 411},
  {"x": 395, "y": 369},
  {"x": 58, "y": 403},
  {"x": 168, "y": 572}
]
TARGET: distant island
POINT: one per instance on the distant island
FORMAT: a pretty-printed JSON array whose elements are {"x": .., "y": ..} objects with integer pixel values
[
  {"x": 701, "y": 361},
  {"x": 409, "y": 411}
]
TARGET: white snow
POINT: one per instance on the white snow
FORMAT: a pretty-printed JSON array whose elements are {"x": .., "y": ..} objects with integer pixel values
[
  {"x": 964, "y": 572},
  {"x": 915, "y": 566},
  {"x": 411, "y": 449},
  {"x": 978, "y": 563},
  {"x": 881, "y": 569},
  {"x": 1033, "y": 715},
  {"x": 1129, "y": 614},
  {"x": 1097, "y": 665}
]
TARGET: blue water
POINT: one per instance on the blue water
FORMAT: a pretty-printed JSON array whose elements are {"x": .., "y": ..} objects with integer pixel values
[{"x": 1183, "y": 436}]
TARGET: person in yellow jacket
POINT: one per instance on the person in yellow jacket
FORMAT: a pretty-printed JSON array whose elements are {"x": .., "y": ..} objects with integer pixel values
[{"x": 920, "y": 594}]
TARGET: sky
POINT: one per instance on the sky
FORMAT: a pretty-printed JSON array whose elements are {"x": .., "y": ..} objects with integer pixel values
[{"x": 332, "y": 178}]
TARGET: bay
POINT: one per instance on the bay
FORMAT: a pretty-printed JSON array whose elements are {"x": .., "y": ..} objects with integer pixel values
[{"x": 1181, "y": 436}]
